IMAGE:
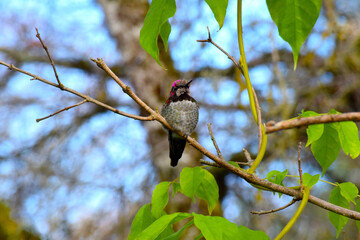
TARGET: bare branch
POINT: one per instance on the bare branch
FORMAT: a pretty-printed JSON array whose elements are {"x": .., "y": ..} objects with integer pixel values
[
  {"x": 84, "y": 96},
  {"x": 305, "y": 121},
  {"x": 64, "y": 109},
  {"x": 209, "y": 40},
  {"x": 274, "y": 210},
  {"x": 101, "y": 64},
  {"x": 214, "y": 142},
  {"x": 212, "y": 164},
  {"x": 61, "y": 86}
]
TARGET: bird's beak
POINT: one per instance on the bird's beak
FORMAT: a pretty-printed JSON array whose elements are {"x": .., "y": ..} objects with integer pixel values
[{"x": 187, "y": 85}]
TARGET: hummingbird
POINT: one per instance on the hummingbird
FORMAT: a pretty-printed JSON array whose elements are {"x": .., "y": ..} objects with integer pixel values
[{"x": 181, "y": 111}]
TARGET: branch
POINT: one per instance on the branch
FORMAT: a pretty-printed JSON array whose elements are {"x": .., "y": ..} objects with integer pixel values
[
  {"x": 274, "y": 210},
  {"x": 212, "y": 164},
  {"x": 209, "y": 40},
  {"x": 64, "y": 109},
  {"x": 83, "y": 96},
  {"x": 214, "y": 142},
  {"x": 305, "y": 121},
  {"x": 61, "y": 86}
]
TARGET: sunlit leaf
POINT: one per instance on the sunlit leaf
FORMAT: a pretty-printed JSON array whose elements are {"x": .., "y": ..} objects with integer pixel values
[
  {"x": 142, "y": 220},
  {"x": 327, "y": 148},
  {"x": 190, "y": 180},
  {"x": 349, "y": 138},
  {"x": 215, "y": 228},
  {"x": 358, "y": 210},
  {"x": 218, "y": 7},
  {"x": 310, "y": 180},
  {"x": 160, "y": 225},
  {"x": 155, "y": 24},
  {"x": 314, "y": 131},
  {"x": 208, "y": 190},
  {"x": 338, "y": 220},
  {"x": 246, "y": 233},
  {"x": 159, "y": 198},
  {"x": 349, "y": 191},
  {"x": 295, "y": 20},
  {"x": 277, "y": 177}
]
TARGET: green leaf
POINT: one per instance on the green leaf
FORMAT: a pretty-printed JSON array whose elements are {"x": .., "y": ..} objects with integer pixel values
[
  {"x": 160, "y": 225},
  {"x": 177, "y": 234},
  {"x": 176, "y": 188},
  {"x": 295, "y": 20},
  {"x": 159, "y": 199},
  {"x": 308, "y": 113},
  {"x": 235, "y": 164},
  {"x": 277, "y": 177},
  {"x": 246, "y": 233},
  {"x": 315, "y": 131},
  {"x": 190, "y": 180},
  {"x": 349, "y": 138},
  {"x": 216, "y": 228},
  {"x": 327, "y": 147},
  {"x": 358, "y": 210},
  {"x": 208, "y": 190},
  {"x": 337, "y": 220},
  {"x": 155, "y": 24},
  {"x": 199, "y": 182},
  {"x": 349, "y": 191},
  {"x": 218, "y": 7},
  {"x": 310, "y": 180},
  {"x": 333, "y": 111},
  {"x": 142, "y": 220},
  {"x": 165, "y": 33}
]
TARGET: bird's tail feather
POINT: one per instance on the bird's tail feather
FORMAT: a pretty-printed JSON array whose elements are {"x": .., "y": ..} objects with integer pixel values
[{"x": 177, "y": 146}]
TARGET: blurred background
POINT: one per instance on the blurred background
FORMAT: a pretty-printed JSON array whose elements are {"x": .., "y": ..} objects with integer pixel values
[{"x": 84, "y": 173}]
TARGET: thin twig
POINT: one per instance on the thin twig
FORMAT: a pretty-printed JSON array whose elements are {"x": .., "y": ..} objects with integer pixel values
[
  {"x": 244, "y": 163},
  {"x": 299, "y": 164},
  {"x": 61, "y": 86},
  {"x": 214, "y": 142},
  {"x": 209, "y": 40},
  {"x": 64, "y": 109},
  {"x": 212, "y": 164},
  {"x": 274, "y": 210},
  {"x": 248, "y": 157},
  {"x": 305, "y": 121}
]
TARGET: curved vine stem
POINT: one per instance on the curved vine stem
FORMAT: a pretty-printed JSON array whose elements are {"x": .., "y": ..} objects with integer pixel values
[
  {"x": 306, "y": 194},
  {"x": 261, "y": 152},
  {"x": 243, "y": 62},
  {"x": 252, "y": 94}
]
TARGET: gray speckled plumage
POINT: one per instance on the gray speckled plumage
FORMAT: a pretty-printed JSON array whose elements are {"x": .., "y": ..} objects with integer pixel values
[
  {"x": 181, "y": 111},
  {"x": 182, "y": 115}
]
